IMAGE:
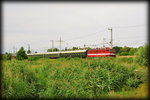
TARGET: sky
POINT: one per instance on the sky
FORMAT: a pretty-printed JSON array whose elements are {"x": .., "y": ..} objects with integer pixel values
[{"x": 77, "y": 23}]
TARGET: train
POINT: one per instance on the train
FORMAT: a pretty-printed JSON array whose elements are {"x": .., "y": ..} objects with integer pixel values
[{"x": 100, "y": 52}]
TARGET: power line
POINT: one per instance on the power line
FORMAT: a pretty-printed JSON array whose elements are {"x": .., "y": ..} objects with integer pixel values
[
  {"x": 133, "y": 26},
  {"x": 91, "y": 34},
  {"x": 84, "y": 36}
]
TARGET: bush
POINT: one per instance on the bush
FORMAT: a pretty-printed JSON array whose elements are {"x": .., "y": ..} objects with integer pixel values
[
  {"x": 124, "y": 53},
  {"x": 33, "y": 58},
  {"x": 21, "y": 54},
  {"x": 8, "y": 56},
  {"x": 142, "y": 56},
  {"x": 3, "y": 57},
  {"x": 66, "y": 78}
]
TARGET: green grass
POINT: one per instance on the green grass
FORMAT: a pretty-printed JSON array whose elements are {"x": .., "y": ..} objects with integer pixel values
[{"x": 71, "y": 77}]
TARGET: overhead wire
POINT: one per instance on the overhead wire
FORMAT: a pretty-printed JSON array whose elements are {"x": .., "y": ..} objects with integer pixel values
[
  {"x": 84, "y": 36},
  {"x": 133, "y": 26}
]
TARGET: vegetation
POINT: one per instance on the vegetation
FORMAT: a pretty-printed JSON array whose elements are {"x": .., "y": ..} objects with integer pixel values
[
  {"x": 29, "y": 51},
  {"x": 68, "y": 49},
  {"x": 52, "y": 49},
  {"x": 21, "y": 54},
  {"x": 6, "y": 56},
  {"x": 71, "y": 78},
  {"x": 33, "y": 58},
  {"x": 42, "y": 78},
  {"x": 123, "y": 51},
  {"x": 142, "y": 55}
]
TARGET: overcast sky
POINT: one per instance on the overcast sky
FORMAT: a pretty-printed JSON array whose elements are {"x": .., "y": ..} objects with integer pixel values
[{"x": 76, "y": 23}]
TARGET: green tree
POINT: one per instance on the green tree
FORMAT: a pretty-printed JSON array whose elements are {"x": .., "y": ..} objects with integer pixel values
[
  {"x": 29, "y": 51},
  {"x": 88, "y": 48},
  {"x": 74, "y": 48},
  {"x": 124, "y": 51},
  {"x": 54, "y": 49},
  {"x": 142, "y": 55},
  {"x": 117, "y": 49},
  {"x": 8, "y": 56},
  {"x": 21, "y": 55},
  {"x": 65, "y": 48},
  {"x": 132, "y": 51}
]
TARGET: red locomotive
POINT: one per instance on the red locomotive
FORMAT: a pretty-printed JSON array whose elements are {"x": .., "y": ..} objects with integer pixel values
[{"x": 104, "y": 52}]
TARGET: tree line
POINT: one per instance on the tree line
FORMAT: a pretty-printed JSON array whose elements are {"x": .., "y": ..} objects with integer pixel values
[
  {"x": 67, "y": 49},
  {"x": 122, "y": 51}
]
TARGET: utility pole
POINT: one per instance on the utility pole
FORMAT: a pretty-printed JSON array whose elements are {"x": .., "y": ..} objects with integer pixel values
[
  {"x": 60, "y": 43},
  {"x": 84, "y": 46},
  {"x": 103, "y": 42},
  {"x": 67, "y": 46},
  {"x": 52, "y": 44},
  {"x": 28, "y": 46},
  {"x": 28, "y": 49},
  {"x": 111, "y": 40}
]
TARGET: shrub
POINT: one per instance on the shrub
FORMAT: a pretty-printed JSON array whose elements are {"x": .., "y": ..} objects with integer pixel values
[
  {"x": 73, "y": 78},
  {"x": 133, "y": 82},
  {"x": 28, "y": 51},
  {"x": 142, "y": 55},
  {"x": 3, "y": 57},
  {"x": 21, "y": 54},
  {"x": 132, "y": 51},
  {"x": 8, "y": 56},
  {"x": 33, "y": 58},
  {"x": 124, "y": 53}
]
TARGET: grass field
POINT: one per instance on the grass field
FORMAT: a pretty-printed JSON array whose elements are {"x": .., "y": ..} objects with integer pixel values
[{"x": 74, "y": 78}]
